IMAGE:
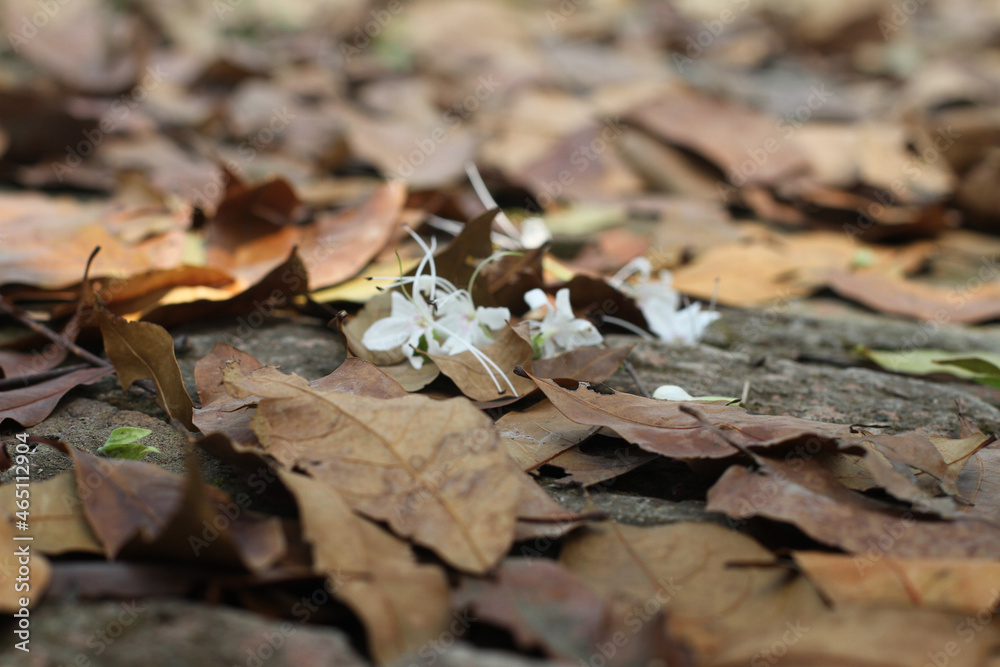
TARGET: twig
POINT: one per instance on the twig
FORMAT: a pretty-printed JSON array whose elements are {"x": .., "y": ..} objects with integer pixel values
[
  {"x": 56, "y": 338},
  {"x": 635, "y": 378}
]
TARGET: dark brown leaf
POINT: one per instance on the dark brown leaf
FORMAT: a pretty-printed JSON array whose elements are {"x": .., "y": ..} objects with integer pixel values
[
  {"x": 32, "y": 404},
  {"x": 141, "y": 351}
]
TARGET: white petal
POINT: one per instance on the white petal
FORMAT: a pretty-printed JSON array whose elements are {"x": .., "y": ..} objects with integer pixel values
[
  {"x": 534, "y": 233},
  {"x": 416, "y": 360},
  {"x": 671, "y": 392},
  {"x": 387, "y": 333},
  {"x": 492, "y": 318},
  {"x": 403, "y": 307},
  {"x": 578, "y": 333},
  {"x": 535, "y": 299},
  {"x": 564, "y": 311}
]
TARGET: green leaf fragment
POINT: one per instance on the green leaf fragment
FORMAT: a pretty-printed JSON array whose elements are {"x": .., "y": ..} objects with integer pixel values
[
  {"x": 123, "y": 444},
  {"x": 982, "y": 367}
]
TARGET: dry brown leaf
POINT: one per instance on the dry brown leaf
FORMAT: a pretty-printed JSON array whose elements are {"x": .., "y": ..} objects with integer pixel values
[
  {"x": 460, "y": 259},
  {"x": 30, "y": 405},
  {"x": 588, "y": 364},
  {"x": 563, "y": 174},
  {"x": 252, "y": 229},
  {"x": 979, "y": 482},
  {"x": 140, "y": 351},
  {"x": 961, "y": 585},
  {"x": 57, "y": 521},
  {"x": 336, "y": 247},
  {"x": 541, "y": 517},
  {"x": 663, "y": 428},
  {"x": 544, "y": 605},
  {"x": 251, "y": 307},
  {"x": 540, "y": 433},
  {"x": 55, "y": 235},
  {"x": 141, "y": 507},
  {"x": 684, "y": 569},
  {"x": 360, "y": 377},
  {"x": 433, "y": 470},
  {"x": 208, "y": 372},
  {"x": 130, "y": 297},
  {"x": 402, "y": 604},
  {"x": 725, "y": 134},
  {"x": 508, "y": 350},
  {"x": 891, "y": 294},
  {"x": 778, "y": 267},
  {"x": 806, "y": 494},
  {"x": 869, "y": 636}
]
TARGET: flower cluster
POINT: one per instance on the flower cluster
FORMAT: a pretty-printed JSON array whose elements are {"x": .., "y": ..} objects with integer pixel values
[
  {"x": 436, "y": 318},
  {"x": 660, "y": 305}
]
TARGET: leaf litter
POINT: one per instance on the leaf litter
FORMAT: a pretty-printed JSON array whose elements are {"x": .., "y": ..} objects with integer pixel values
[{"x": 505, "y": 201}]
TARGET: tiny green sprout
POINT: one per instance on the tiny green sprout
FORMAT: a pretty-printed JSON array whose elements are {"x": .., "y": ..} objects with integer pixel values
[{"x": 123, "y": 444}]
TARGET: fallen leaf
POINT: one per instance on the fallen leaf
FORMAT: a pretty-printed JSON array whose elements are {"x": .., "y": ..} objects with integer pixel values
[
  {"x": 684, "y": 569},
  {"x": 807, "y": 495},
  {"x": 878, "y": 636},
  {"x": 208, "y": 372},
  {"x": 30, "y": 405},
  {"x": 361, "y": 378},
  {"x": 725, "y": 134},
  {"x": 508, "y": 349},
  {"x": 57, "y": 522},
  {"x": 535, "y": 436},
  {"x": 890, "y": 294},
  {"x": 251, "y": 307},
  {"x": 403, "y": 604},
  {"x": 252, "y": 229},
  {"x": 460, "y": 259},
  {"x": 663, "y": 428},
  {"x": 143, "y": 508},
  {"x": 140, "y": 351},
  {"x": 589, "y": 364},
  {"x": 433, "y": 470},
  {"x": 545, "y": 606},
  {"x": 55, "y": 235},
  {"x": 961, "y": 585},
  {"x": 336, "y": 247}
]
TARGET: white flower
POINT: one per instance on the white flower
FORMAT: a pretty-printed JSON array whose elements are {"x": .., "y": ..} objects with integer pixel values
[
  {"x": 659, "y": 304},
  {"x": 685, "y": 326},
  {"x": 438, "y": 318},
  {"x": 647, "y": 293},
  {"x": 410, "y": 321},
  {"x": 559, "y": 331},
  {"x": 468, "y": 325}
]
